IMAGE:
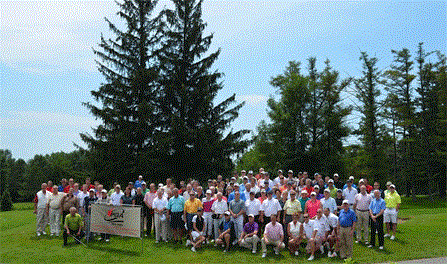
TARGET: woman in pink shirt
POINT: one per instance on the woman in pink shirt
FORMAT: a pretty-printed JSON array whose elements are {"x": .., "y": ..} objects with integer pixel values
[{"x": 313, "y": 205}]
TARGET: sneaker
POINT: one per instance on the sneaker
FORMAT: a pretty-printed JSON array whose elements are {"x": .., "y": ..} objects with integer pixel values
[
  {"x": 366, "y": 243},
  {"x": 99, "y": 238},
  {"x": 392, "y": 237},
  {"x": 254, "y": 251},
  {"x": 193, "y": 249},
  {"x": 322, "y": 249},
  {"x": 44, "y": 233},
  {"x": 107, "y": 240},
  {"x": 334, "y": 254},
  {"x": 381, "y": 247},
  {"x": 234, "y": 242},
  {"x": 207, "y": 241},
  {"x": 356, "y": 241},
  {"x": 297, "y": 253},
  {"x": 311, "y": 258},
  {"x": 264, "y": 255},
  {"x": 38, "y": 233},
  {"x": 52, "y": 234},
  {"x": 212, "y": 241},
  {"x": 156, "y": 241},
  {"x": 276, "y": 252},
  {"x": 370, "y": 246},
  {"x": 386, "y": 235},
  {"x": 329, "y": 254},
  {"x": 188, "y": 242},
  {"x": 225, "y": 251}
]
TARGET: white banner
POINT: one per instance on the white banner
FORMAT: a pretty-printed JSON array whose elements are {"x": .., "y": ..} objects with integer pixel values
[{"x": 116, "y": 220}]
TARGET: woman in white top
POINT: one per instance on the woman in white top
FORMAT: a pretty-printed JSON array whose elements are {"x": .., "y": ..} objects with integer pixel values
[{"x": 293, "y": 231}]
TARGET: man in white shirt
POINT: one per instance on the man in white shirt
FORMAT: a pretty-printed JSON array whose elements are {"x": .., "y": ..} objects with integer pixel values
[
  {"x": 349, "y": 193},
  {"x": 361, "y": 207},
  {"x": 328, "y": 201},
  {"x": 331, "y": 239},
  {"x": 81, "y": 196},
  {"x": 115, "y": 198},
  {"x": 253, "y": 206},
  {"x": 218, "y": 208},
  {"x": 159, "y": 205},
  {"x": 40, "y": 209},
  {"x": 310, "y": 230},
  {"x": 269, "y": 207},
  {"x": 323, "y": 231},
  {"x": 54, "y": 211}
]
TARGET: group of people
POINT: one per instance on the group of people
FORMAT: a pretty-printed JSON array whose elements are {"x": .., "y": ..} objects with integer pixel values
[{"x": 244, "y": 210}]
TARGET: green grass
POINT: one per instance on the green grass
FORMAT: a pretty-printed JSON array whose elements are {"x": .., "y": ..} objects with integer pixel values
[{"x": 421, "y": 236}]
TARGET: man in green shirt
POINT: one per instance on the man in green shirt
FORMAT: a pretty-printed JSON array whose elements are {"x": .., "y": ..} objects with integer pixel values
[{"x": 73, "y": 226}]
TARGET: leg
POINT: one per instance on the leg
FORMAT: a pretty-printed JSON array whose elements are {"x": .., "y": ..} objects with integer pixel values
[
  {"x": 65, "y": 236},
  {"x": 264, "y": 245},
  {"x": 380, "y": 231},
  {"x": 349, "y": 244},
  {"x": 227, "y": 241},
  {"x": 157, "y": 227},
  {"x": 372, "y": 240}
]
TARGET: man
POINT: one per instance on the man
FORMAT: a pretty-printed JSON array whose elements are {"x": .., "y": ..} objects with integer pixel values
[
  {"x": 361, "y": 207},
  {"x": 198, "y": 232},
  {"x": 191, "y": 206},
  {"x": 148, "y": 200},
  {"x": 218, "y": 208},
  {"x": 139, "y": 182},
  {"x": 328, "y": 201},
  {"x": 351, "y": 178},
  {"x": 68, "y": 201},
  {"x": 54, "y": 211},
  {"x": 304, "y": 197},
  {"x": 249, "y": 236},
  {"x": 73, "y": 226},
  {"x": 88, "y": 201},
  {"x": 116, "y": 196},
  {"x": 104, "y": 199},
  {"x": 175, "y": 211},
  {"x": 237, "y": 210},
  {"x": 337, "y": 183},
  {"x": 331, "y": 238},
  {"x": 69, "y": 186},
  {"x": 392, "y": 201},
  {"x": 269, "y": 207},
  {"x": 273, "y": 235},
  {"x": 81, "y": 196},
  {"x": 232, "y": 194},
  {"x": 226, "y": 232},
  {"x": 160, "y": 205},
  {"x": 317, "y": 191},
  {"x": 253, "y": 205},
  {"x": 332, "y": 189},
  {"x": 313, "y": 205},
  {"x": 50, "y": 186},
  {"x": 89, "y": 184},
  {"x": 132, "y": 188},
  {"x": 40, "y": 209},
  {"x": 346, "y": 227},
  {"x": 376, "y": 186},
  {"x": 63, "y": 184},
  {"x": 350, "y": 192},
  {"x": 376, "y": 209},
  {"x": 323, "y": 231},
  {"x": 207, "y": 203},
  {"x": 314, "y": 233},
  {"x": 291, "y": 207}
]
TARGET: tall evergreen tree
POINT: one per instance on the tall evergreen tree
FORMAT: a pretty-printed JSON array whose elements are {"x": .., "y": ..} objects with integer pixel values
[
  {"x": 194, "y": 141},
  {"x": 122, "y": 144}
]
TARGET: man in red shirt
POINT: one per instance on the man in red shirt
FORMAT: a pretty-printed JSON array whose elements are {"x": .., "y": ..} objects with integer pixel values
[{"x": 70, "y": 185}]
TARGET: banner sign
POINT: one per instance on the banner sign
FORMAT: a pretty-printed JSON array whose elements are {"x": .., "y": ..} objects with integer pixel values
[{"x": 116, "y": 220}]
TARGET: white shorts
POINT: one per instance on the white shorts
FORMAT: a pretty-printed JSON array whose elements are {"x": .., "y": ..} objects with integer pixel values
[
  {"x": 390, "y": 215},
  {"x": 195, "y": 235}
]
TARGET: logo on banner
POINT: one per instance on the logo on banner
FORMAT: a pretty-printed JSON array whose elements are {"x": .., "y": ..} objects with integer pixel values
[{"x": 115, "y": 216}]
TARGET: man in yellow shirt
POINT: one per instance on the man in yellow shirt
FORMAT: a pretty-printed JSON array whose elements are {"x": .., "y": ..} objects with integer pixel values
[
  {"x": 392, "y": 202},
  {"x": 190, "y": 210}
]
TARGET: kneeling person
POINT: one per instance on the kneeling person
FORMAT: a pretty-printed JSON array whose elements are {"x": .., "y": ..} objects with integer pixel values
[
  {"x": 198, "y": 232},
  {"x": 227, "y": 232},
  {"x": 249, "y": 237},
  {"x": 73, "y": 226},
  {"x": 273, "y": 235}
]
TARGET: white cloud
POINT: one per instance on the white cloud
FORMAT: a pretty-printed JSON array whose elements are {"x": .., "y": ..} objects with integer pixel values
[{"x": 252, "y": 99}]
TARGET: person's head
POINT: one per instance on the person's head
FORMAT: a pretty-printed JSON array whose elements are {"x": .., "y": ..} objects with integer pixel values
[
  {"x": 319, "y": 213},
  {"x": 327, "y": 193},
  {"x": 306, "y": 218},
  {"x": 277, "y": 193},
  {"x": 377, "y": 194},
  {"x": 192, "y": 195},
  {"x": 88, "y": 181},
  {"x": 118, "y": 188},
  {"x": 251, "y": 218},
  {"x": 237, "y": 195},
  {"x": 290, "y": 173},
  {"x": 50, "y": 184},
  {"x": 227, "y": 215},
  {"x": 295, "y": 217},
  {"x": 84, "y": 187},
  {"x": 71, "y": 182},
  {"x": 236, "y": 187},
  {"x": 376, "y": 185},
  {"x": 273, "y": 218},
  {"x": 308, "y": 182},
  {"x": 330, "y": 183},
  {"x": 64, "y": 182},
  {"x": 292, "y": 195},
  {"x": 388, "y": 184},
  {"x": 208, "y": 194},
  {"x": 91, "y": 192},
  {"x": 175, "y": 192},
  {"x": 336, "y": 177},
  {"x": 130, "y": 185},
  {"x": 73, "y": 211},
  {"x": 143, "y": 186},
  {"x": 152, "y": 187},
  {"x": 159, "y": 193},
  {"x": 304, "y": 194},
  {"x": 76, "y": 187},
  {"x": 345, "y": 205},
  {"x": 392, "y": 188},
  {"x": 252, "y": 195},
  {"x": 270, "y": 195},
  {"x": 100, "y": 187},
  {"x": 128, "y": 191},
  {"x": 219, "y": 196},
  {"x": 188, "y": 187},
  {"x": 104, "y": 194},
  {"x": 313, "y": 196},
  {"x": 317, "y": 189},
  {"x": 363, "y": 189},
  {"x": 55, "y": 190},
  {"x": 326, "y": 211},
  {"x": 263, "y": 193},
  {"x": 140, "y": 177},
  {"x": 284, "y": 194},
  {"x": 349, "y": 183},
  {"x": 139, "y": 190},
  {"x": 71, "y": 191},
  {"x": 43, "y": 186}
]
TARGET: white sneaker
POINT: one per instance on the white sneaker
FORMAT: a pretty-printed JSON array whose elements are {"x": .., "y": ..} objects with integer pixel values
[
  {"x": 334, "y": 254},
  {"x": 381, "y": 248},
  {"x": 329, "y": 254},
  {"x": 276, "y": 252},
  {"x": 193, "y": 249},
  {"x": 370, "y": 246},
  {"x": 264, "y": 255},
  {"x": 156, "y": 241},
  {"x": 386, "y": 235},
  {"x": 356, "y": 241},
  {"x": 38, "y": 233},
  {"x": 188, "y": 242},
  {"x": 297, "y": 253},
  {"x": 52, "y": 234},
  {"x": 253, "y": 251},
  {"x": 366, "y": 243},
  {"x": 392, "y": 237},
  {"x": 44, "y": 233},
  {"x": 234, "y": 242},
  {"x": 212, "y": 241},
  {"x": 311, "y": 258},
  {"x": 207, "y": 241},
  {"x": 225, "y": 251},
  {"x": 322, "y": 249},
  {"x": 107, "y": 240}
]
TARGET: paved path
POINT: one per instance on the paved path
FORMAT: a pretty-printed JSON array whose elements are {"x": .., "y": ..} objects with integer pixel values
[{"x": 442, "y": 260}]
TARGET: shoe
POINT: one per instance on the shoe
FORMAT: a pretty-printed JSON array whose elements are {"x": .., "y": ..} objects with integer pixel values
[
  {"x": 107, "y": 240},
  {"x": 276, "y": 252},
  {"x": 329, "y": 254},
  {"x": 322, "y": 249},
  {"x": 188, "y": 242},
  {"x": 38, "y": 233},
  {"x": 52, "y": 234},
  {"x": 386, "y": 235},
  {"x": 212, "y": 241},
  {"x": 44, "y": 233},
  {"x": 225, "y": 251},
  {"x": 381, "y": 248},
  {"x": 99, "y": 238},
  {"x": 297, "y": 253},
  {"x": 366, "y": 243},
  {"x": 254, "y": 251},
  {"x": 310, "y": 258},
  {"x": 156, "y": 242},
  {"x": 334, "y": 254},
  {"x": 356, "y": 241},
  {"x": 392, "y": 237},
  {"x": 264, "y": 255},
  {"x": 193, "y": 249},
  {"x": 207, "y": 241},
  {"x": 370, "y": 246},
  {"x": 234, "y": 242}
]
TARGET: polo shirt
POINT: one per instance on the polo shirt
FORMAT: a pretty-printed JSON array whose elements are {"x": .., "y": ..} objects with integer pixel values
[
  {"x": 251, "y": 227},
  {"x": 350, "y": 195},
  {"x": 346, "y": 219},
  {"x": 192, "y": 206},
  {"x": 329, "y": 203},
  {"x": 207, "y": 204},
  {"x": 252, "y": 207},
  {"x": 116, "y": 198},
  {"x": 73, "y": 222},
  {"x": 81, "y": 197},
  {"x": 292, "y": 207},
  {"x": 237, "y": 206},
  {"x": 322, "y": 225},
  {"x": 377, "y": 205},
  {"x": 312, "y": 207},
  {"x": 160, "y": 204},
  {"x": 219, "y": 207},
  {"x": 332, "y": 220},
  {"x": 309, "y": 228},
  {"x": 270, "y": 207},
  {"x": 273, "y": 232},
  {"x": 362, "y": 201},
  {"x": 54, "y": 201},
  {"x": 333, "y": 192},
  {"x": 392, "y": 200},
  {"x": 231, "y": 196},
  {"x": 176, "y": 205},
  {"x": 303, "y": 203}
]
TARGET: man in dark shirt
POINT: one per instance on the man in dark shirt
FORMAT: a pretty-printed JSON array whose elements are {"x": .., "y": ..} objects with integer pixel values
[
  {"x": 88, "y": 201},
  {"x": 227, "y": 232},
  {"x": 249, "y": 237}
]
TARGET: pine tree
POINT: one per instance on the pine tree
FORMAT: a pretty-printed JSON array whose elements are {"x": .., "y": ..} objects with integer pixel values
[
  {"x": 193, "y": 134},
  {"x": 122, "y": 145}
]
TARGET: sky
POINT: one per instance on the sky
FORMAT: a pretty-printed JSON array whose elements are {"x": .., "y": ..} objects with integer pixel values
[{"x": 47, "y": 65}]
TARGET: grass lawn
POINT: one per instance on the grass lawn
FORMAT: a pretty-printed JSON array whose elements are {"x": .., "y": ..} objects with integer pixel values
[{"x": 423, "y": 235}]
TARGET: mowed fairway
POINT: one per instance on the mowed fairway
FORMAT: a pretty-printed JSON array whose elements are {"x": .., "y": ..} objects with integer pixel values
[{"x": 423, "y": 235}]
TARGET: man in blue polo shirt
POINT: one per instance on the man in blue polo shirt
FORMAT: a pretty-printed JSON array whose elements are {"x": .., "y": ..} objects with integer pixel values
[
  {"x": 346, "y": 227},
  {"x": 175, "y": 210},
  {"x": 376, "y": 209}
]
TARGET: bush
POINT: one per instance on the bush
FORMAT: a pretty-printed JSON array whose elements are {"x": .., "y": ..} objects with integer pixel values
[{"x": 6, "y": 202}]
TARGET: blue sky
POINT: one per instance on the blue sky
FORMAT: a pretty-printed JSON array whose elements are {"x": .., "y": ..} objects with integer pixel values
[{"x": 47, "y": 65}]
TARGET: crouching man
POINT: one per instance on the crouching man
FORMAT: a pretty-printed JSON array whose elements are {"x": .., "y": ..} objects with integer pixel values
[{"x": 73, "y": 226}]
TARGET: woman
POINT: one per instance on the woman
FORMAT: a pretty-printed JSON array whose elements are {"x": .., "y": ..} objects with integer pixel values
[
  {"x": 293, "y": 231},
  {"x": 127, "y": 198},
  {"x": 313, "y": 205}
]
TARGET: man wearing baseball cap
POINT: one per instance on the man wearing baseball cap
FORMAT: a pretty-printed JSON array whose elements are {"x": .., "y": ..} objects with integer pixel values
[
  {"x": 227, "y": 232},
  {"x": 346, "y": 226},
  {"x": 392, "y": 201},
  {"x": 249, "y": 237},
  {"x": 207, "y": 203}
]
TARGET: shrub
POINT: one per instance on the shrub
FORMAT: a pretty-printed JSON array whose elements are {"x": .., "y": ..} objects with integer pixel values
[{"x": 5, "y": 201}]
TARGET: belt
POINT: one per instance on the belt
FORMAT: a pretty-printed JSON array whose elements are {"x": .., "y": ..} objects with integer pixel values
[
  {"x": 346, "y": 226},
  {"x": 362, "y": 210},
  {"x": 391, "y": 208}
]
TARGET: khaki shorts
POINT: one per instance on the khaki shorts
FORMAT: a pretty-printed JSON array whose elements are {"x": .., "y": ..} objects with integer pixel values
[{"x": 390, "y": 215}]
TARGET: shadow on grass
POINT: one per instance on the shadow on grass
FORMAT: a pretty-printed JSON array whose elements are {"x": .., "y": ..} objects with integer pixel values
[{"x": 114, "y": 250}]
